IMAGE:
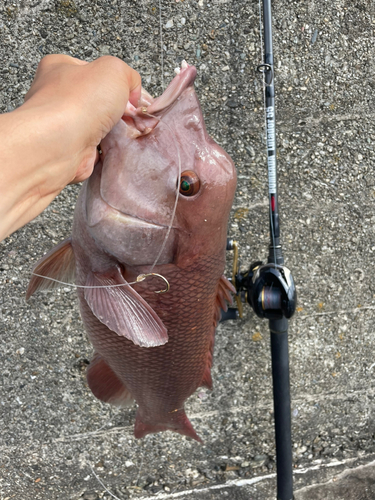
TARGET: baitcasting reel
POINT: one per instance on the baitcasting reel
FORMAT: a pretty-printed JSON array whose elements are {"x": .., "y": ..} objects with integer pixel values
[{"x": 268, "y": 288}]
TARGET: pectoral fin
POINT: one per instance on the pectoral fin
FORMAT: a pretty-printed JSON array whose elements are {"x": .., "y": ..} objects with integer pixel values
[
  {"x": 123, "y": 310},
  {"x": 58, "y": 263}
]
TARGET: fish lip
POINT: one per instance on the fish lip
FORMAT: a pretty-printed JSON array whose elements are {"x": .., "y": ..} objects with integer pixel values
[
  {"x": 147, "y": 116},
  {"x": 181, "y": 82}
]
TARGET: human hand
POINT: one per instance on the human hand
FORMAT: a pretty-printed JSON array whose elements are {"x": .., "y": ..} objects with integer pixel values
[
  {"x": 90, "y": 98},
  {"x": 51, "y": 140}
]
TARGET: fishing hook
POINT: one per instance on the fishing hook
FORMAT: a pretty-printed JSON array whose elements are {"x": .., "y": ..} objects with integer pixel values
[{"x": 141, "y": 277}]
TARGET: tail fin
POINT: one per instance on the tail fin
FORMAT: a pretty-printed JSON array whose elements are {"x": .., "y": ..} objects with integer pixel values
[{"x": 176, "y": 422}]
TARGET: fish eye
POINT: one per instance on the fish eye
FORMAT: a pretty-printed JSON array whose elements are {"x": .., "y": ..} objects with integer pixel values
[{"x": 189, "y": 183}]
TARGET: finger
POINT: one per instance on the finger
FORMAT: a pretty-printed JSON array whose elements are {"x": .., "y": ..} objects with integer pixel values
[
  {"x": 121, "y": 82},
  {"x": 135, "y": 87},
  {"x": 130, "y": 76},
  {"x": 135, "y": 96},
  {"x": 86, "y": 167},
  {"x": 97, "y": 155},
  {"x": 80, "y": 62}
]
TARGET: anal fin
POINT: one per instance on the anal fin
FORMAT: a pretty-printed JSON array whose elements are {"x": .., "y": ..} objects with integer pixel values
[{"x": 105, "y": 385}]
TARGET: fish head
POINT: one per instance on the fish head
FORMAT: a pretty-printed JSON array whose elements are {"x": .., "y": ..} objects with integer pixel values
[{"x": 162, "y": 182}]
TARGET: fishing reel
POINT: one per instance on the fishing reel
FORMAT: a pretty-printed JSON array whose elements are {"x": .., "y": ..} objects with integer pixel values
[{"x": 268, "y": 288}]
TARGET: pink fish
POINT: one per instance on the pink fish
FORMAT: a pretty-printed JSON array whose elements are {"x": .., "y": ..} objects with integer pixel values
[{"x": 155, "y": 348}]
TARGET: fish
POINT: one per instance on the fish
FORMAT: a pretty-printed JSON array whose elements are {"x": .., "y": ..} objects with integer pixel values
[{"x": 152, "y": 217}]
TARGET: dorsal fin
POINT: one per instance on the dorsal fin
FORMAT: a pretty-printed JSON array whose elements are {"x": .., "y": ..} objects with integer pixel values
[
  {"x": 58, "y": 263},
  {"x": 223, "y": 295}
]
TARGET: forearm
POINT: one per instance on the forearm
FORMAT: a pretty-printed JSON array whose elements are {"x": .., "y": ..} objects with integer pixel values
[{"x": 28, "y": 180}]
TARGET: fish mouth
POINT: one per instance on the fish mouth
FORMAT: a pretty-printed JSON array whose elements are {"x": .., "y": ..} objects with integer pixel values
[
  {"x": 132, "y": 220},
  {"x": 133, "y": 241},
  {"x": 99, "y": 209},
  {"x": 184, "y": 78}
]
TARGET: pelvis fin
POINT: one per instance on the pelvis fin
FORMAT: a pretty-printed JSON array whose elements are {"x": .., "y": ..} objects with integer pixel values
[
  {"x": 105, "y": 385},
  {"x": 123, "y": 310},
  {"x": 58, "y": 263},
  {"x": 176, "y": 422}
]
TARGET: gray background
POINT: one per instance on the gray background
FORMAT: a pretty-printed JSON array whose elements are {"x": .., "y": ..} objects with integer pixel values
[{"x": 55, "y": 436}]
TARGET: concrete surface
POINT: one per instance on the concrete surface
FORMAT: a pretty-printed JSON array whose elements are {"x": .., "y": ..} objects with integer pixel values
[{"x": 57, "y": 441}]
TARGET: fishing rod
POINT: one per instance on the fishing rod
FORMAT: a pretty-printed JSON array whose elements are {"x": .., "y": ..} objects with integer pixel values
[{"x": 269, "y": 288}]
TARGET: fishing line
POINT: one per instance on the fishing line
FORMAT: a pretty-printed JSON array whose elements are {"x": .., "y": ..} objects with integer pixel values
[
  {"x": 101, "y": 483},
  {"x": 141, "y": 277},
  {"x": 177, "y": 189},
  {"x": 265, "y": 121},
  {"x": 161, "y": 47}
]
